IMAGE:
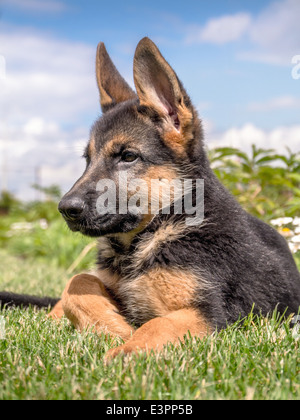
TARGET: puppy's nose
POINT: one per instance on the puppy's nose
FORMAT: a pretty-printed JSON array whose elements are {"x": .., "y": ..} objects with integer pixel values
[{"x": 71, "y": 208}]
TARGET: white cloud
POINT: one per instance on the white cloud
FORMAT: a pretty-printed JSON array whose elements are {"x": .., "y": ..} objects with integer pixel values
[
  {"x": 276, "y": 33},
  {"x": 65, "y": 175},
  {"x": 243, "y": 137},
  {"x": 47, "y": 78},
  {"x": 48, "y": 99},
  {"x": 283, "y": 102},
  {"x": 273, "y": 36},
  {"x": 221, "y": 30},
  {"x": 43, "y": 145},
  {"x": 37, "y": 127}
]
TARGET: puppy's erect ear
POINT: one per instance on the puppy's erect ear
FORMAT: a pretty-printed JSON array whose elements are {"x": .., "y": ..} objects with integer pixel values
[
  {"x": 112, "y": 87},
  {"x": 158, "y": 87}
]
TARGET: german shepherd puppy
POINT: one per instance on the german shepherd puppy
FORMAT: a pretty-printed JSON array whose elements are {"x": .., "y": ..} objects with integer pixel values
[{"x": 160, "y": 277}]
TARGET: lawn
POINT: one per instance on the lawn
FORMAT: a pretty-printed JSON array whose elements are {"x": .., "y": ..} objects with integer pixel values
[
  {"x": 40, "y": 359},
  {"x": 43, "y": 359}
]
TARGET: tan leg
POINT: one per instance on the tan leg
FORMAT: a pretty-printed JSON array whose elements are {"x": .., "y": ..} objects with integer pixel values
[
  {"x": 57, "y": 312},
  {"x": 86, "y": 303},
  {"x": 159, "y": 331}
]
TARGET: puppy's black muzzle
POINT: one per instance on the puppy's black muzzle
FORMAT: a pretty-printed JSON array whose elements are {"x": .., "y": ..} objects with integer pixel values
[{"x": 71, "y": 208}]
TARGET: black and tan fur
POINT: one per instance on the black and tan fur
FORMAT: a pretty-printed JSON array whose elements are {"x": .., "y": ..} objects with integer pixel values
[{"x": 158, "y": 278}]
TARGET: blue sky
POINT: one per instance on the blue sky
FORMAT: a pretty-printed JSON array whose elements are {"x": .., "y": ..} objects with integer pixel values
[{"x": 233, "y": 56}]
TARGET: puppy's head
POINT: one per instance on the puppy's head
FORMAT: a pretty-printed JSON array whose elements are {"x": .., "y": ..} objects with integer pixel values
[{"x": 153, "y": 134}]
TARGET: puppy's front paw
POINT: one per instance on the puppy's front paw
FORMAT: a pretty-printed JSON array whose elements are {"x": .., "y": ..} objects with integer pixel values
[
  {"x": 124, "y": 349},
  {"x": 57, "y": 312}
]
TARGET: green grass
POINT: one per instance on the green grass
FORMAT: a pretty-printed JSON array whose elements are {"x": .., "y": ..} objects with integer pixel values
[
  {"x": 56, "y": 246},
  {"x": 42, "y": 359}
]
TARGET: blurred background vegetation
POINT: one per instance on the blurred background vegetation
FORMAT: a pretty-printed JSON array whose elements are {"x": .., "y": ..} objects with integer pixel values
[{"x": 265, "y": 183}]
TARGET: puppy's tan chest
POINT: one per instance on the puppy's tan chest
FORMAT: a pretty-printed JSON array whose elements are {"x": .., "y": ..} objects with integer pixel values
[
  {"x": 158, "y": 292},
  {"x": 152, "y": 294}
]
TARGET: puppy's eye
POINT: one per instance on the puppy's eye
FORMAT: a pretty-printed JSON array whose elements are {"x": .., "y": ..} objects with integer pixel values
[{"x": 128, "y": 157}]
